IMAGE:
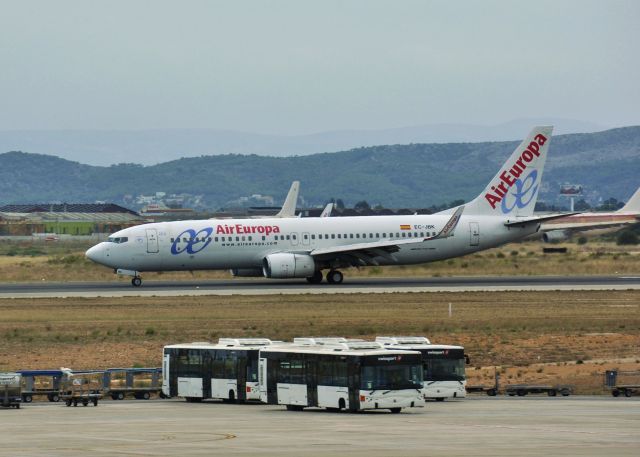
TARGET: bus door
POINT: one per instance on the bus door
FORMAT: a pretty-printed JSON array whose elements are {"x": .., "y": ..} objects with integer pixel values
[
  {"x": 306, "y": 239},
  {"x": 173, "y": 372},
  {"x": 152, "y": 241},
  {"x": 474, "y": 233},
  {"x": 311, "y": 378},
  {"x": 241, "y": 376},
  {"x": 206, "y": 370},
  {"x": 353, "y": 377}
]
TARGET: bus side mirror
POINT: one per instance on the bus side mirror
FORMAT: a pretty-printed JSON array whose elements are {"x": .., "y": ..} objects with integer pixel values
[{"x": 467, "y": 360}]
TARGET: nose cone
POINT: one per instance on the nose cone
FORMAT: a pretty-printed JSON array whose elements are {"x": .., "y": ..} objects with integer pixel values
[{"x": 95, "y": 253}]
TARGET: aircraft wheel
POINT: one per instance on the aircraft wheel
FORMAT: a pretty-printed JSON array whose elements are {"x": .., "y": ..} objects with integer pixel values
[
  {"x": 316, "y": 278},
  {"x": 136, "y": 281},
  {"x": 335, "y": 277}
]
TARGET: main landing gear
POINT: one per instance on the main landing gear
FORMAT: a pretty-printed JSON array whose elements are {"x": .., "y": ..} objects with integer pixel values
[
  {"x": 136, "y": 281},
  {"x": 333, "y": 277}
]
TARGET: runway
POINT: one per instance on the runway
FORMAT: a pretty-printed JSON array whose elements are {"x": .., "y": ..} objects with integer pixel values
[{"x": 123, "y": 288}]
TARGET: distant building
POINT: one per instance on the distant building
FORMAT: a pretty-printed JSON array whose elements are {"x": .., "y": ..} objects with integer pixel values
[{"x": 65, "y": 219}]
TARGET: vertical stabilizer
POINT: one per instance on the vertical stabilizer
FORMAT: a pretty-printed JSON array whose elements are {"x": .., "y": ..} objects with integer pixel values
[
  {"x": 633, "y": 205},
  {"x": 513, "y": 191},
  {"x": 289, "y": 206}
]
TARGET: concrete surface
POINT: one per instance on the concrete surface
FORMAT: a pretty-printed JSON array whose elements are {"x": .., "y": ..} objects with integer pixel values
[
  {"x": 477, "y": 426},
  {"x": 300, "y": 286}
]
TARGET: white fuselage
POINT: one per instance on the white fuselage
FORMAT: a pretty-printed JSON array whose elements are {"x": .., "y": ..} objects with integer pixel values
[{"x": 244, "y": 243}]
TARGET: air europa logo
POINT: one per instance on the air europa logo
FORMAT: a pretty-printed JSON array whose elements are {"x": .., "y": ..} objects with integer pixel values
[
  {"x": 510, "y": 177},
  {"x": 239, "y": 229}
]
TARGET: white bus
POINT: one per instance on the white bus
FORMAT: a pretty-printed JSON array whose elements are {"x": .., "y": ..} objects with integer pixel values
[
  {"x": 352, "y": 375},
  {"x": 227, "y": 370},
  {"x": 444, "y": 375}
]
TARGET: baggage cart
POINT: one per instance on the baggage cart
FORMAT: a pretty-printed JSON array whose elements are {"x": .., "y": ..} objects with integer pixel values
[
  {"x": 10, "y": 390},
  {"x": 83, "y": 387},
  {"x": 524, "y": 389},
  {"x": 625, "y": 383}
]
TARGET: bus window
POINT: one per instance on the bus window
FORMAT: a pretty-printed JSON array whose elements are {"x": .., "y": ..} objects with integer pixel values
[{"x": 391, "y": 377}]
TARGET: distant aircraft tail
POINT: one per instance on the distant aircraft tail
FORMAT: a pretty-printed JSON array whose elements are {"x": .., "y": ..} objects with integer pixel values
[
  {"x": 326, "y": 212},
  {"x": 633, "y": 205},
  {"x": 289, "y": 207},
  {"x": 513, "y": 191}
]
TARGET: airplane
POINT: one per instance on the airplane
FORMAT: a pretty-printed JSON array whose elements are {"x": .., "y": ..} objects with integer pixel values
[
  {"x": 288, "y": 207},
  {"x": 283, "y": 248},
  {"x": 562, "y": 228}
]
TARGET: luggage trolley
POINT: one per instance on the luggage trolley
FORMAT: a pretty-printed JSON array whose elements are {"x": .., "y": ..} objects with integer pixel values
[{"x": 82, "y": 387}]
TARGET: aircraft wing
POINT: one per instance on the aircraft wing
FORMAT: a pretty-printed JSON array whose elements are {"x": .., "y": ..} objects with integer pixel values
[
  {"x": 529, "y": 220},
  {"x": 361, "y": 254}
]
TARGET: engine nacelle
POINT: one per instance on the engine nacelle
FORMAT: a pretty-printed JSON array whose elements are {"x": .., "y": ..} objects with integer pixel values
[
  {"x": 286, "y": 265},
  {"x": 246, "y": 272},
  {"x": 554, "y": 235}
]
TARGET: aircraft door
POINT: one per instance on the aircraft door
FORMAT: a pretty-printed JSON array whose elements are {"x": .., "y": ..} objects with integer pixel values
[
  {"x": 474, "y": 234},
  {"x": 294, "y": 239},
  {"x": 306, "y": 239},
  {"x": 152, "y": 241}
]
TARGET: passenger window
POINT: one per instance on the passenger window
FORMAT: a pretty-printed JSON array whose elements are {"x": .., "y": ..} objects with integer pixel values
[
  {"x": 288, "y": 237},
  {"x": 294, "y": 237},
  {"x": 404, "y": 235},
  {"x": 384, "y": 235},
  {"x": 264, "y": 237},
  {"x": 351, "y": 235},
  {"x": 306, "y": 237},
  {"x": 237, "y": 238},
  {"x": 242, "y": 238},
  {"x": 370, "y": 235},
  {"x": 222, "y": 239},
  {"x": 377, "y": 235},
  {"x": 333, "y": 236},
  {"x": 172, "y": 240},
  {"x": 422, "y": 234},
  {"x": 357, "y": 235},
  {"x": 326, "y": 237},
  {"x": 216, "y": 239},
  {"x": 313, "y": 237},
  {"x": 339, "y": 235},
  {"x": 397, "y": 235}
]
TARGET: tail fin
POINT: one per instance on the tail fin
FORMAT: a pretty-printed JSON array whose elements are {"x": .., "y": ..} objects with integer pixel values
[
  {"x": 326, "y": 212},
  {"x": 513, "y": 191},
  {"x": 289, "y": 206},
  {"x": 633, "y": 205}
]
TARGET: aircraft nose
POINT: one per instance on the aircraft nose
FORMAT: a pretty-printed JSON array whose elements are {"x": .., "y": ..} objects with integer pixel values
[{"x": 94, "y": 253}]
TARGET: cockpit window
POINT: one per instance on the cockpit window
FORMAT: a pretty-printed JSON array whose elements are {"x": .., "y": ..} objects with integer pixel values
[{"x": 118, "y": 239}]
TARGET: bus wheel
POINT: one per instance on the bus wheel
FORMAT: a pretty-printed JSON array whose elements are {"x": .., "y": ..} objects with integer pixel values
[
  {"x": 565, "y": 392},
  {"x": 397, "y": 410},
  {"x": 492, "y": 392},
  {"x": 615, "y": 392},
  {"x": 54, "y": 398},
  {"x": 552, "y": 393},
  {"x": 27, "y": 398}
]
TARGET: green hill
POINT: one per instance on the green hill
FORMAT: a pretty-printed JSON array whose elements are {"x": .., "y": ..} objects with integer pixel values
[{"x": 416, "y": 175}]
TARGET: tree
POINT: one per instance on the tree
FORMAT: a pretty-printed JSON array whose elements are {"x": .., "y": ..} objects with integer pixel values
[
  {"x": 362, "y": 205},
  {"x": 339, "y": 204},
  {"x": 581, "y": 205},
  {"x": 627, "y": 237}
]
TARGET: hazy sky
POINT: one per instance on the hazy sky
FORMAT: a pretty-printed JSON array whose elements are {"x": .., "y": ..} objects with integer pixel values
[{"x": 297, "y": 66}]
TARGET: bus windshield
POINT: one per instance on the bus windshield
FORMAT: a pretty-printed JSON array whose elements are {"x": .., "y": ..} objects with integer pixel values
[
  {"x": 444, "y": 370},
  {"x": 391, "y": 377}
]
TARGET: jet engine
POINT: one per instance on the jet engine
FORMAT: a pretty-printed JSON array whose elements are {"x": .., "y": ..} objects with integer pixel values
[
  {"x": 246, "y": 272},
  {"x": 286, "y": 265},
  {"x": 554, "y": 235}
]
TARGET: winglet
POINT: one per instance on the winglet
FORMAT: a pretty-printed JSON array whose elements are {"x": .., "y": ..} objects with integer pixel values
[
  {"x": 450, "y": 226},
  {"x": 326, "y": 212},
  {"x": 289, "y": 206}
]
